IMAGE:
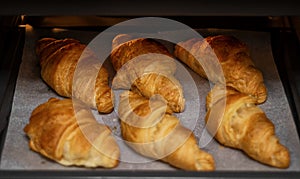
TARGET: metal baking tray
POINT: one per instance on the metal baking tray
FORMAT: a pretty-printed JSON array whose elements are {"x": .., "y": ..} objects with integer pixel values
[{"x": 31, "y": 91}]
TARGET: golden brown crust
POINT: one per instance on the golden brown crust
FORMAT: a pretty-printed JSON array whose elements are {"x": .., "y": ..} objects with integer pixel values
[
  {"x": 154, "y": 132},
  {"x": 233, "y": 55},
  {"x": 245, "y": 126},
  {"x": 42, "y": 43},
  {"x": 224, "y": 46},
  {"x": 183, "y": 52},
  {"x": 57, "y": 133},
  {"x": 59, "y": 59},
  {"x": 166, "y": 86},
  {"x": 104, "y": 92},
  {"x": 126, "y": 51},
  {"x": 146, "y": 66},
  {"x": 46, "y": 46}
]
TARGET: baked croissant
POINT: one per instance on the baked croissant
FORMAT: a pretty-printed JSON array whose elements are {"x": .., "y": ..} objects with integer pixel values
[
  {"x": 244, "y": 126},
  {"x": 147, "y": 67},
  {"x": 70, "y": 135},
  {"x": 234, "y": 59},
  {"x": 60, "y": 58},
  {"x": 151, "y": 130}
]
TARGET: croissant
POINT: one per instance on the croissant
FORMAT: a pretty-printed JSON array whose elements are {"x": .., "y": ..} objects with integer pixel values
[
  {"x": 234, "y": 59},
  {"x": 60, "y": 58},
  {"x": 146, "y": 67},
  {"x": 70, "y": 135},
  {"x": 244, "y": 126},
  {"x": 149, "y": 127}
]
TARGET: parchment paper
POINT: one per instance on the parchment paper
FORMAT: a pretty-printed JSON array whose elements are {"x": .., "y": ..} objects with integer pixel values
[{"x": 31, "y": 91}]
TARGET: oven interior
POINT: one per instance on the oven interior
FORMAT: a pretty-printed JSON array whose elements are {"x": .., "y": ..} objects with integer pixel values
[{"x": 283, "y": 32}]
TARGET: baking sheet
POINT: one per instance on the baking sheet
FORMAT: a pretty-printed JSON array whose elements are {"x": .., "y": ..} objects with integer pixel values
[{"x": 31, "y": 91}]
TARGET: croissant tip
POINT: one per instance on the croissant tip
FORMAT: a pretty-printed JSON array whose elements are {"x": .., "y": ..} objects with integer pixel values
[{"x": 282, "y": 158}]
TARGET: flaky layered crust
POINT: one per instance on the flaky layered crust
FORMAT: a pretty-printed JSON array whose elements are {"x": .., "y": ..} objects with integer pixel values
[
  {"x": 146, "y": 66},
  {"x": 205, "y": 55},
  {"x": 151, "y": 130},
  {"x": 244, "y": 126},
  {"x": 59, "y": 59},
  {"x": 70, "y": 135}
]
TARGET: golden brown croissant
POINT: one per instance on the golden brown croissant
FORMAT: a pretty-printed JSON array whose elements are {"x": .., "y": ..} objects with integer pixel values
[
  {"x": 234, "y": 58},
  {"x": 244, "y": 126},
  {"x": 59, "y": 59},
  {"x": 146, "y": 66},
  {"x": 151, "y": 130},
  {"x": 71, "y": 136},
  {"x": 125, "y": 48}
]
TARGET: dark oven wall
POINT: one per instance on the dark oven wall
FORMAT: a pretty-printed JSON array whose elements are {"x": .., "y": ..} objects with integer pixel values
[{"x": 152, "y": 8}]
